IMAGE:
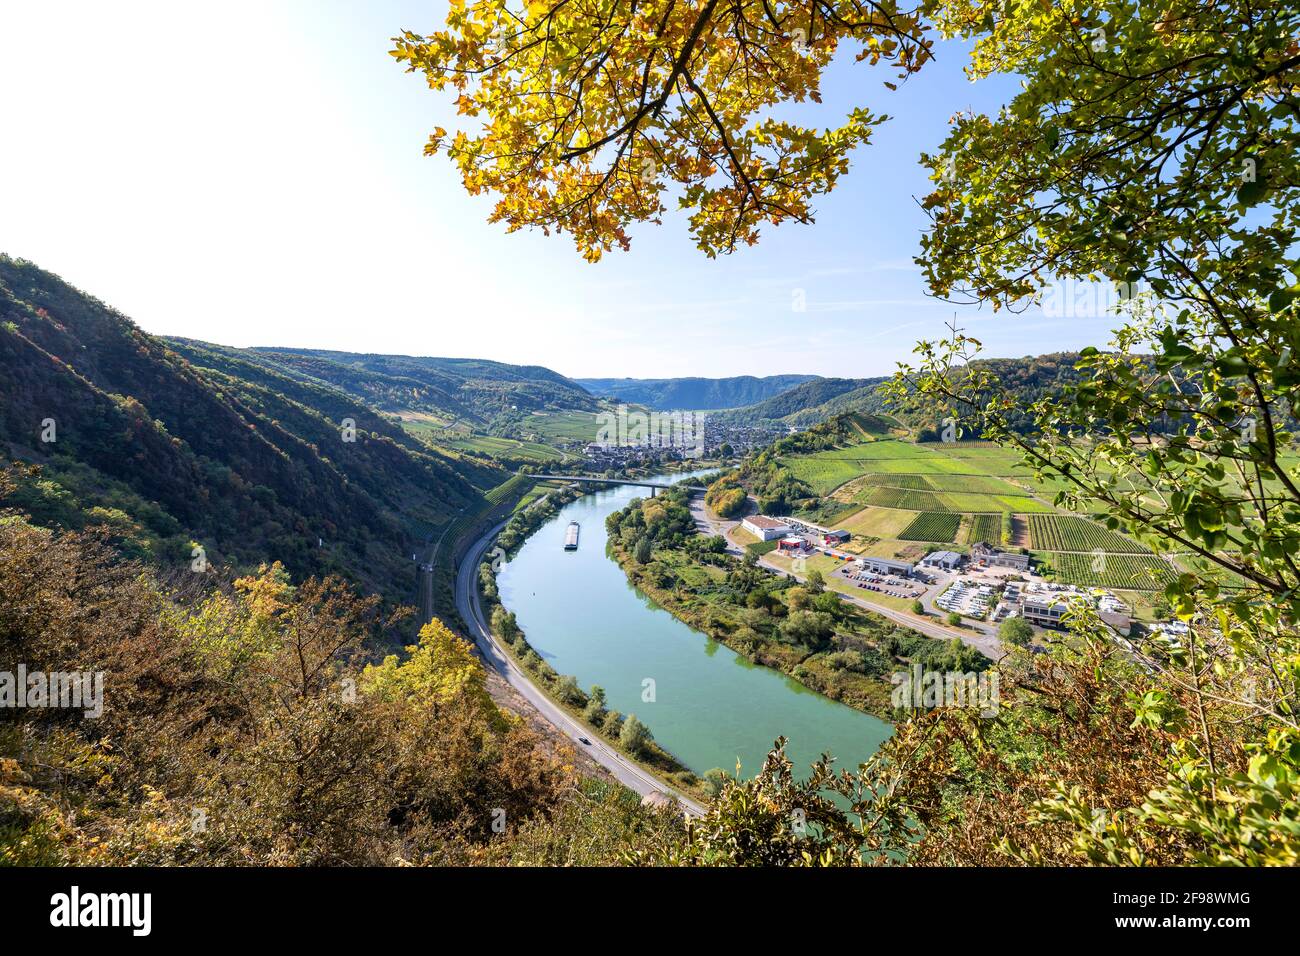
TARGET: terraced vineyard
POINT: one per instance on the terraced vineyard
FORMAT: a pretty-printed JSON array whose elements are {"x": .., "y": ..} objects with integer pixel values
[
  {"x": 932, "y": 526},
  {"x": 1132, "y": 572},
  {"x": 1049, "y": 532}
]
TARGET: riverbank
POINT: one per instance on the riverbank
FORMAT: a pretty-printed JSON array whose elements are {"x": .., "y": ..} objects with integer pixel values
[
  {"x": 588, "y": 707},
  {"x": 709, "y": 707},
  {"x": 805, "y": 631}
]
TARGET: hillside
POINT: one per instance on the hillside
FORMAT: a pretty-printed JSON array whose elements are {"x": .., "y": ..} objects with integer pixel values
[
  {"x": 176, "y": 446},
  {"x": 810, "y": 403},
  {"x": 805, "y": 404},
  {"x": 471, "y": 391},
  {"x": 668, "y": 394}
]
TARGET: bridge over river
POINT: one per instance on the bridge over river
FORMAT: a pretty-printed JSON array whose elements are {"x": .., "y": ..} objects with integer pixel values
[{"x": 640, "y": 483}]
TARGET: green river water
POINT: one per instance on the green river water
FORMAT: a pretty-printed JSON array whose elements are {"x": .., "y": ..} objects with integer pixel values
[{"x": 712, "y": 707}]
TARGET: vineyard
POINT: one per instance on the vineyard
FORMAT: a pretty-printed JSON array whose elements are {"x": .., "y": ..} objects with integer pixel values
[
  {"x": 915, "y": 482},
  {"x": 1134, "y": 572},
  {"x": 984, "y": 527},
  {"x": 932, "y": 526},
  {"x": 1068, "y": 533},
  {"x": 905, "y": 498}
]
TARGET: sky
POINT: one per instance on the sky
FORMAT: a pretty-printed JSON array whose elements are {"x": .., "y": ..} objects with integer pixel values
[{"x": 253, "y": 174}]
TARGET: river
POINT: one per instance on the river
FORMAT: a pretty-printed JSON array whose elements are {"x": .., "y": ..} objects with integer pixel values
[{"x": 711, "y": 707}]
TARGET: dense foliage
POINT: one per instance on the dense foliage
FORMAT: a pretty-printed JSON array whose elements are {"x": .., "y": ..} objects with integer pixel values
[
  {"x": 243, "y": 725},
  {"x": 592, "y": 112}
]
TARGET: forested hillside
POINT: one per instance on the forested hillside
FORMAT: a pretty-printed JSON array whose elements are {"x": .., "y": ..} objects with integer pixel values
[
  {"x": 473, "y": 391},
  {"x": 809, "y": 400},
  {"x": 1029, "y": 378},
  {"x": 175, "y": 450},
  {"x": 693, "y": 393}
]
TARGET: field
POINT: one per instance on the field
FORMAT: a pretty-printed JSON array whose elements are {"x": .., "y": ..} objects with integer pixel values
[
  {"x": 1022, "y": 504},
  {"x": 566, "y": 426},
  {"x": 982, "y": 484},
  {"x": 877, "y": 522},
  {"x": 945, "y": 493},
  {"x": 889, "y": 497},
  {"x": 495, "y": 447},
  {"x": 1071, "y": 533},
  {"x": 932, "y": 526},
  {"x": 984, "y": 527},
  {"x": 963, "y": 467},
  {"x": 823, "y": 475},
  {"x": 912, "y": 482},
  {"x": 887, "y": 492},
  {"x": 1136, "y": 572},
  {"x": 535, "y": 492}
]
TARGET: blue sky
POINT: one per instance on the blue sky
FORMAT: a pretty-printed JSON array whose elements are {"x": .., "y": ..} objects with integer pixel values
[{"x": 252, "y": 174}]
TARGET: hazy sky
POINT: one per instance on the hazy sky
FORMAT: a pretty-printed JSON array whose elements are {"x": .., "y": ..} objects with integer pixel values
[{"x": 252, "y": 174}]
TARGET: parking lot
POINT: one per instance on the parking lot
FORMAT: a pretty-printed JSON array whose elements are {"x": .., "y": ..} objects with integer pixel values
[{"x": 882, "y": 583}]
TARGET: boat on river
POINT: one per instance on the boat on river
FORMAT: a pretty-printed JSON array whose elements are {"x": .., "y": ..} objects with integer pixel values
[{"x": 571, "y": 537}]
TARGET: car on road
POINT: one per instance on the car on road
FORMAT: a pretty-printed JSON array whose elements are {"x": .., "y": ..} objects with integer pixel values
[{"x": 584, "y": 740}]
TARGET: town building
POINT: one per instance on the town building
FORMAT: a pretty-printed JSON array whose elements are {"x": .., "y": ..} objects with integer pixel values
[
  {"x": 983, "y": 551},
  {"x": 765, "y": 528},
  {"x": 1044, "y": 612},
  {"x": 948, "y": 560},
  {"x": 792, "y": 545},
  {"x": 836, "y": 537},
  {"x": 885, "y": 566}
]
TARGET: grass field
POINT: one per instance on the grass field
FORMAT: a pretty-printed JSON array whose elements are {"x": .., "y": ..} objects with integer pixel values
[
  {"x": 1135, "y": 572},
  {"x": 963, "y": 467},
  {"x": 884, "y": 491},
  {"x": 932, "y": 526},
  {"x": 976, "y": 502},
  {"x": 823, "y": 475},
  {"x": 911, "y": 482},
  {"x": 982, "y": 484},
  {"x": 1070, "y": 533},
  {"x": 877, "y": 522}
]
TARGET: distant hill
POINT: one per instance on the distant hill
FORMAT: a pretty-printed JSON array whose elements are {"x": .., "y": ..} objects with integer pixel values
[
  {"x": 668, "y": 394},
  {"x": 804, "y": 404},
  {"x": 169, "y": 445},
  {"x": 472, "y": 391}
]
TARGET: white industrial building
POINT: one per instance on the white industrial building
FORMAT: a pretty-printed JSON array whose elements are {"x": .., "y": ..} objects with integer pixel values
[{"x": 765, "y": 528}]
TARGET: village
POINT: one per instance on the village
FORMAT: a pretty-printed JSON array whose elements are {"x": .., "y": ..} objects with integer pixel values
[{"x": 988, "y": 584}]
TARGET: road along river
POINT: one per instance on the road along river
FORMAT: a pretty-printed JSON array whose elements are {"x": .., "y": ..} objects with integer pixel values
[{"x": 703, "y": 702}]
